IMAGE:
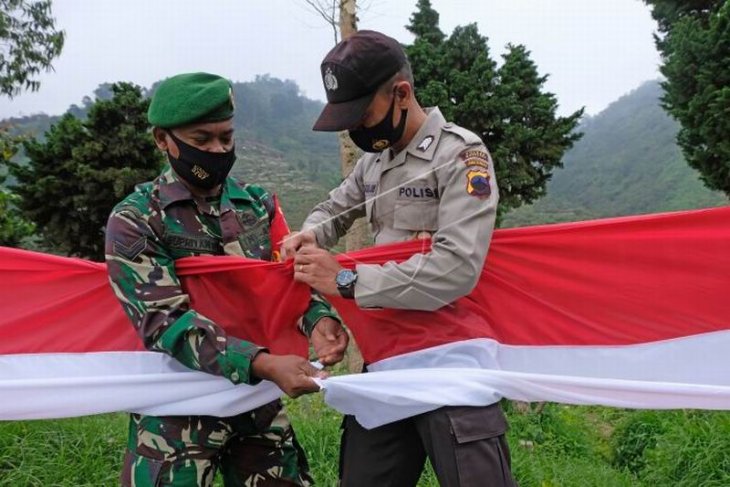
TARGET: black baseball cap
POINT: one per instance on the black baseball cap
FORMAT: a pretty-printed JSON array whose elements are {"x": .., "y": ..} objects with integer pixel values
[{"x": 352, "y": 72}]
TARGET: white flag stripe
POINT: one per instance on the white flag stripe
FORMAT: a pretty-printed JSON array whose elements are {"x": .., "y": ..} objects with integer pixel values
[
  {"x": 688, "y": 372},
  {"x": 59, "y": 385}
]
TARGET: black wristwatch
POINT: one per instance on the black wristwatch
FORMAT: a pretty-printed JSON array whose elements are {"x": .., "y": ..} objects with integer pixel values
[{"x": 345, "y": 280}]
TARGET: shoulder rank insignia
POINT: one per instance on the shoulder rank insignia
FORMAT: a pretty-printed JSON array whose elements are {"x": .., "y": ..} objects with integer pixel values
[
  {"x": 130, "y": 252},
  {"x": 425, "y": 143}
]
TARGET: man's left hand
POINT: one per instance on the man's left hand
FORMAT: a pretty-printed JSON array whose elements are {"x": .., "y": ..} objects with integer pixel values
[
  {"x": 317, "y": 268},
  {"x": 329, "y": 340}
]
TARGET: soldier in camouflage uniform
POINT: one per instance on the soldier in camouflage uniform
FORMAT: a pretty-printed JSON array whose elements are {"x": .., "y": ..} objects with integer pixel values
[{"x": 194, "y": 209}]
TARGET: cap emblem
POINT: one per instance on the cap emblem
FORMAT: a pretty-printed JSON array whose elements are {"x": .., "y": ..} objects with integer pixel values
[{"x": 330, "y": 81}]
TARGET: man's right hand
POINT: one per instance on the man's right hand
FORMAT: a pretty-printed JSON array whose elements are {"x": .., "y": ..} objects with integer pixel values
[
  {"x": 294, "y": 241},
  {"x": 293, "y": 374}
]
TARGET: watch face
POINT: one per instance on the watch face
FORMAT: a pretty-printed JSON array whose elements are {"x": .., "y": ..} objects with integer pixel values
[{"x": 344, "y": 277}]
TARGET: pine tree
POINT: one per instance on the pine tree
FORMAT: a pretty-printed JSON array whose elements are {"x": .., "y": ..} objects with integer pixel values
[
  {"x": 13, "y": 227},
  {"x": 83, "y": 168},
  {"x": 425, "y": 23},
  {"x": 694, "y": 42},
  {"x": 506, "y": 106}
]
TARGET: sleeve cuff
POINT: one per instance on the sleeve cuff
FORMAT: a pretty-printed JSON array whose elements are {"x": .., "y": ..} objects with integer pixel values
[
  {"x": 239, "y": 357},
  {"x": 317, "y": 310},
  {"x": 366, "y": 296}
]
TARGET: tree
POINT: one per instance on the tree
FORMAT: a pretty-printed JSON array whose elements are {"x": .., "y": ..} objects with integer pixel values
[
  {"x": 694, "y": 41},
  {"x": 505, "y": 106},
  {"x": 425, "y": 23},
  {"x": 13, "y": 228},
  {"x": 83, "y": 168},
  {"x": 29, "y": 41}
]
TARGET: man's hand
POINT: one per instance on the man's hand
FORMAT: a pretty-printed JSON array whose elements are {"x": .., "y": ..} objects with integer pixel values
[
  {"x": 291, "y": 373},
  {"x": 296, "y": 240},
  {"x": 317, "y": 268},
  {"x": 329, "y": 340}
]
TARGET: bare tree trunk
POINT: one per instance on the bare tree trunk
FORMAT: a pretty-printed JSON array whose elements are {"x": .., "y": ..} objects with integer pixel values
[
  {"x": 357, "y": 236},
  {"x": 348, "y": 18}
]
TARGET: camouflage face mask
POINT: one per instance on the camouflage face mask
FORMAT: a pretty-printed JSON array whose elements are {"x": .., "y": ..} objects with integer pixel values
[{"x": 200, "y": 168}]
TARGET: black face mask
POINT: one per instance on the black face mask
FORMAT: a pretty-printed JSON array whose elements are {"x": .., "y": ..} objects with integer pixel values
[
  {"x": 382, "y": 135},
  {"x": 201, "y": 169}
]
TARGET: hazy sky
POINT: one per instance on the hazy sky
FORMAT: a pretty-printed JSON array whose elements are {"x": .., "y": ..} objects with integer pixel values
[{"x": 593, "y": 50}]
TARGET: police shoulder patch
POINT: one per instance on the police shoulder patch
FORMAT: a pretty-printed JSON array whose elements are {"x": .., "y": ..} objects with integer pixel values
[
  {"x": 476, "y": 161},
  {"x": 477, "y": 183},
  {"x": 475, "y": 158}
]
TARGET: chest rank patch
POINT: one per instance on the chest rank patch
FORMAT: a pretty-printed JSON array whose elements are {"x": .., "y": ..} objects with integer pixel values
[
  {"x": 425, "y": 143},
  {"x": 477, "y": 174}
]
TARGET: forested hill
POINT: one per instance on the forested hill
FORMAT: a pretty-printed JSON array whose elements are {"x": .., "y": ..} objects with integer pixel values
[
  {"x": 626, "y": 163},
  {"x": 275, "y": 143},
  {"x": 277, "y": 147}
]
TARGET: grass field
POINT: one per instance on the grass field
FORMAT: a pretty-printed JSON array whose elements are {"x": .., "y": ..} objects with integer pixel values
[{"x": 552, "y": 445}]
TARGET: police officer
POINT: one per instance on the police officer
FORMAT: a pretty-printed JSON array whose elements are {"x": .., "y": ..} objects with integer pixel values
[
  {"x": 420, "y": 177},
  {"x": 193, "y": 208}
]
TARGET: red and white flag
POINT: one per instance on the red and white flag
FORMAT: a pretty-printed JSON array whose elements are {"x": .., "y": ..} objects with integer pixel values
[{"x": 630, "y": 312}]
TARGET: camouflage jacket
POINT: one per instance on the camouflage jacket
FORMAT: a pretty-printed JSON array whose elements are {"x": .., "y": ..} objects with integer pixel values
[{"x": 161, "y": 222}]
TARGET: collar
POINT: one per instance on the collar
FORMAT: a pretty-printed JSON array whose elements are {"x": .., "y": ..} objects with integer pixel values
[
  {"x": 233, "y": 190},
  {"x": 172, "y": 190},
  {"x": 423, "y": 144}
]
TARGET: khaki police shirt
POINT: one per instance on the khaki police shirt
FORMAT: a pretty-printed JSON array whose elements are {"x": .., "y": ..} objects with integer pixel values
[{"x": 442, "y": 183}]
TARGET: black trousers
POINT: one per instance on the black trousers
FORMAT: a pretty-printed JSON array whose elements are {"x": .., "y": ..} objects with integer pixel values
[{"x": 466, "y": 446}]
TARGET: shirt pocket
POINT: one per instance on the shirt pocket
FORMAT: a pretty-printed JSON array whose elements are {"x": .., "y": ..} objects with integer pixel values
[
  {"x": 255, "y": 237},
  {"x": 416, "y": 216}
]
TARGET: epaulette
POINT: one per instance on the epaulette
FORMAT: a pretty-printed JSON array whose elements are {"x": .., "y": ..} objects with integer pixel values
[
  {"x": 137, "y": 202},
  {"x": 469, "y": 137}
]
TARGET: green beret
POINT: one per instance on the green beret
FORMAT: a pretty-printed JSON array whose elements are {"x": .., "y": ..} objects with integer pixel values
[{"x": 191, "y": 98}]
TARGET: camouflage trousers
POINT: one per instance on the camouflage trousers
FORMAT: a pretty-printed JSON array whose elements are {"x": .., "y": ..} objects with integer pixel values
[{"x": 254, "y": 449}]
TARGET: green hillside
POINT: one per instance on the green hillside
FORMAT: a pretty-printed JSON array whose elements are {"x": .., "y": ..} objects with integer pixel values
[
  {"x": 278, "y": 149},
  {"x": 275, "y": 143},
  {"x": 626, "y": 163}
]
